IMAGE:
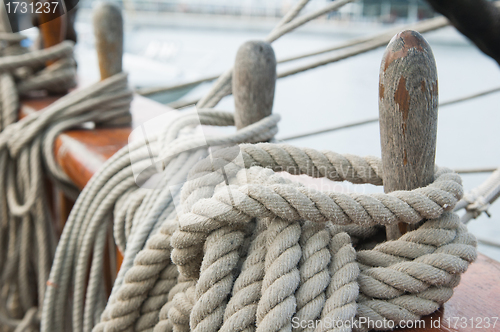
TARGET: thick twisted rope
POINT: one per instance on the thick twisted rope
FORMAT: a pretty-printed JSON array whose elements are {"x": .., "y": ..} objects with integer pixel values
[
  {"x": 314, "y": 273},
  {"x": 241, "y": 310},
  {"x": 289, "y": 202},
  {"x": 415, "y": 273},
  {"x": 343, "y": 289},
  {"x": 444, "y": 251}
]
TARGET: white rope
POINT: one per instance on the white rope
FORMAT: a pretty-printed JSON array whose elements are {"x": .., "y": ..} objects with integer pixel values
[
  {"x": 480, "y": 198},
  {"x": 373, "y": 120},
  {"x": 211, "y": 224}
]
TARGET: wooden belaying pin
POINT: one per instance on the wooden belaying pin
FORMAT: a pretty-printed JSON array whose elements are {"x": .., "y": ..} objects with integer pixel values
[
  {"x": 108, "y": 30},
  {"x": 408, "y": 104},
  {"x": 254, "y": 81}
]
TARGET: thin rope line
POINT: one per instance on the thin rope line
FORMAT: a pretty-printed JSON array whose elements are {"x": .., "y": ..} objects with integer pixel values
[
  {"x": 423, "y": 26},
  {"x": 373, "y": 120}
]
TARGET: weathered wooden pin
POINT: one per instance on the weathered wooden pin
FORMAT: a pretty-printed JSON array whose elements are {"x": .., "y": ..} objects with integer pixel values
[
  {"x": 254, "y": 81},
  {"x": 408, "y": 101},
  {"x": 108, "y": 30}
]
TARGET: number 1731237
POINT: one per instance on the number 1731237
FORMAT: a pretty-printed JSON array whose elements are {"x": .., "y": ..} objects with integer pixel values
[
  {"x": 38, "y": 7},
  {"x": 473, "y": 322}
]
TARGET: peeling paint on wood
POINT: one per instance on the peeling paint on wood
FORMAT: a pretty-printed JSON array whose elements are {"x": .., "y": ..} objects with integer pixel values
[
  {"x": 410, "y": 40},
  {"x": 402, "y": 99},
  {"x": 381, "y": 90}
]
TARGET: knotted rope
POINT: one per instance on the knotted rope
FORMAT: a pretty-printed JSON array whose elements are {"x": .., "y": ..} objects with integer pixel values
[
  {"x": 479, "y": 199},
  {"x": 27, "y": 236}
]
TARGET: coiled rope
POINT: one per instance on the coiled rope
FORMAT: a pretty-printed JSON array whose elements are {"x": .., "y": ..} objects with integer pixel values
[
  {"x": 246, "y": 258},
  {"x": 115, "y": 187},
  {"x": 27, "y": 236},
  {"x": 152, "y": 292}
]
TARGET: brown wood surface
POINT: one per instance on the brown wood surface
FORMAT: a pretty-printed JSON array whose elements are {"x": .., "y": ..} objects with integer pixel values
[
  {"x": 53, "y": 26},
  {"x": 80, "y": 153},
  {"x": 408, "y": 101}
]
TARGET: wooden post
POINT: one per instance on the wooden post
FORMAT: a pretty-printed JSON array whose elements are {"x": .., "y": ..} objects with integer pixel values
[
  {"x": 408, "y": 101},
  {"x": 254, "y": 80},
  {"x": 53, "y": 31},
  {"x": 52, "y": 26},
  {"x": 108, "y": 30}
]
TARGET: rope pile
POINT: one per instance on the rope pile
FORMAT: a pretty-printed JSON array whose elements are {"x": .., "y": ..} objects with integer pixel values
[
  {"x": 250, "y": 250},
  {"x": 221, "y": 242},
  {"x": 23, "y": 71},
  {"x": 27, "y": 236},
  {"x": 138, "y": 212}
]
